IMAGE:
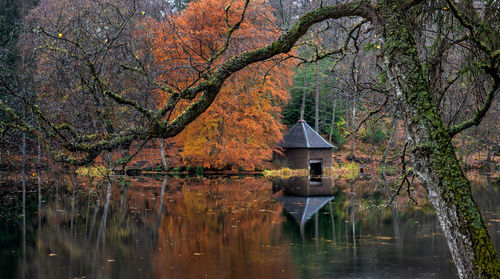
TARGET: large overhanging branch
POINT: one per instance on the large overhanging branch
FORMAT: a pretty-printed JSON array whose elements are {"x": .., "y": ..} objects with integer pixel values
[
  {"x": 160, "y": 127},
  {"x": 284, "y": 44}
]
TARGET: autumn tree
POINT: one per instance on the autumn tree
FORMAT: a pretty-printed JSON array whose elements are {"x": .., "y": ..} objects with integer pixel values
[{"x": 243, "y": 123}]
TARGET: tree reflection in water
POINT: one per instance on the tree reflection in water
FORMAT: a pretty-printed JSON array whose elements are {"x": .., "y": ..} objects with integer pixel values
[{"x": 213, "y": 228}]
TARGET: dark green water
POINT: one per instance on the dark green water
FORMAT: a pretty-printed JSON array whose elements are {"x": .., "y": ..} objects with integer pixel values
[{"x": 214, "y": 228}]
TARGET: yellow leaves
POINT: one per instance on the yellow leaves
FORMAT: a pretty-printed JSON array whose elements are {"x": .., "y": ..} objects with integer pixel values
[
  {"x": 98, "y": 171},
  {"x": 351, "y": 170},
  {"x": 143, "y": 13},
  {"x": 285, "y": 173},
  {"x": 60, "y": 35}
]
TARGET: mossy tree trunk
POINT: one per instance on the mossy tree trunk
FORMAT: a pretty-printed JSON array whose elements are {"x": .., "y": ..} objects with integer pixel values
[{"x": 435, "y": 162}]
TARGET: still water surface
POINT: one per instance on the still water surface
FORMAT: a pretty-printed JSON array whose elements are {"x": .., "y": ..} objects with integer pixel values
[{"x": 215, "y": 228}]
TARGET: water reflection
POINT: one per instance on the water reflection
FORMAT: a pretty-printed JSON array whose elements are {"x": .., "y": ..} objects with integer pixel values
[
  {"x": 304, "y": 186},
  {"x": 214, "y": 228},
  {"x": 303, "y": 197},
  {"x": 303, "y": 208}
]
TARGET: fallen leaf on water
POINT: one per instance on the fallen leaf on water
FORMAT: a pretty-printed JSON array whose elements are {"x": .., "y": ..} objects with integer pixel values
[{"x": 383, "y": 237}]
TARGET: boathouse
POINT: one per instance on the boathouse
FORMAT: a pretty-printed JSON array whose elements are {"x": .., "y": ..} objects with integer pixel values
[{"x": 304, "y": 148}]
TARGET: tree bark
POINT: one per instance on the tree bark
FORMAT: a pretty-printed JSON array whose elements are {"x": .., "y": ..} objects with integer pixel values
[
  {"x": 353, "y": 124},
  {"x": 163, "y": 157},
  {"x": 332, "y": 126},
  {"x": 316, "y": 100},
  {"x": 24, "y": 201},
  {"x": 304, "y": 90},
  {"x": 435, "y": 162},
  {"x": 39, "y": 183},
  {"x": 394, "y": 132}
]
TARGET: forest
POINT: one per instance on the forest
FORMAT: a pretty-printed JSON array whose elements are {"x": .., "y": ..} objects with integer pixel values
[{"x": 405, "y": 90}]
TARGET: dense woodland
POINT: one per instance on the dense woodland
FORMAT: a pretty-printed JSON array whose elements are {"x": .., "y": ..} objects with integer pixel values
[{"x": 215, "y": 84}]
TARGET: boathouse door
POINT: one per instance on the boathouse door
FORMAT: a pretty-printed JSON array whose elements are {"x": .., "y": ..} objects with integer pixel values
[{"x": 316, "y": 167}]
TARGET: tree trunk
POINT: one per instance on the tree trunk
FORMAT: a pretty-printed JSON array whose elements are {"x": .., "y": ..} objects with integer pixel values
[
  {"x": 304, "y": 90},
  {"x": 163, "y": 157},
  {"x": 489, "y": 155},
  {"x": 394, "y": 126},
  {"x": 435, "y": 162},
  {"x": 353, "y": 124},
  {"x": 39, "y": 183},
  {"x": 332, "y": 126},
  {"x": 24, "y": 201},
  {"x": 383, "y": 164},
  {"x": 449, "y": 192},
  {"x": 316, "y": 100},
  {"x": 347, "y": 111},
  {"x": 462, "y": 148}
]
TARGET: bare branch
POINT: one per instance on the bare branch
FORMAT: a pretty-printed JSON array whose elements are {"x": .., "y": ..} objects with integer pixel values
[{"x": 479, "y": 114}]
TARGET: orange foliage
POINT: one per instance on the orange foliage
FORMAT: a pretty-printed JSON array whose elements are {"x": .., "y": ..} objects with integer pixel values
[{"x": 243, "y": 123}]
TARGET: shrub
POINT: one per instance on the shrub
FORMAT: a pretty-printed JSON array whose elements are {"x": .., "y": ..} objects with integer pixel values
[
  {"x": 285, "y": 173},
  {"x": 352, "y": 170},
  {"x": 389, "y": 169},
  {"x": 159, "y": 168},
  {"x": 337, "y": 138},
  {"x": 99, "y": 171},
  {"x": 199, "y": 170}
]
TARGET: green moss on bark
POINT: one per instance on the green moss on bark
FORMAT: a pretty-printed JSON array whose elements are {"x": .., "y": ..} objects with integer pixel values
[{"x": 433, "y": 147}]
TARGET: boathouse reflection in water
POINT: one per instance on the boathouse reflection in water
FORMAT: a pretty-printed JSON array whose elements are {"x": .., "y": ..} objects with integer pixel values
[
  {"x": 304, "y": 197},
  {"x": 304, "y": 186}
]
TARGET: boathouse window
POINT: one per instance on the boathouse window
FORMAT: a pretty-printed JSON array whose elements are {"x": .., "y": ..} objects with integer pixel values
[{"x": 316, "y": 167}]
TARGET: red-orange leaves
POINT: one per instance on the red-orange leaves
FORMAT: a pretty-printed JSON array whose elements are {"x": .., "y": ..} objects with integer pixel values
[{"x": 243, "y": 123}]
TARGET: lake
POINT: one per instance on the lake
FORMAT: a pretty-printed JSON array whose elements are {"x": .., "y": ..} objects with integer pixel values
[{"x": 216, "y": 227}]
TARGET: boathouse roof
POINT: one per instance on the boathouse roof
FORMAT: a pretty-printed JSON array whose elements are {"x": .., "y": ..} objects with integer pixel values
[{"x": 301, "y": 135}]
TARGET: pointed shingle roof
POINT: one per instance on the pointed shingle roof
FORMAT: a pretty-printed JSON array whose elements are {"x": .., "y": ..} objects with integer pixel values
[
  {"x": 303, "y": 208},
  {"x": 302, "y": 135}
]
